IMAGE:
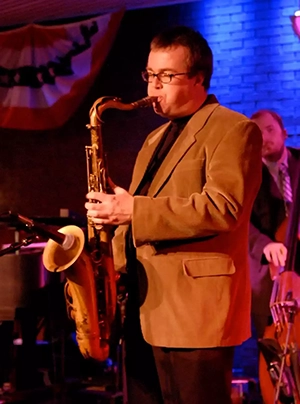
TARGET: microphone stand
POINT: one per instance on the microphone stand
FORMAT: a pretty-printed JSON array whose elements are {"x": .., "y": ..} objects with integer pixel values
[{"x": 16, "y": 246}]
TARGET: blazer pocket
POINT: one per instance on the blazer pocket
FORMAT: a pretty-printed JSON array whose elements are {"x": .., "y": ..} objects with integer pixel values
[{"x": 208, "y": 266}]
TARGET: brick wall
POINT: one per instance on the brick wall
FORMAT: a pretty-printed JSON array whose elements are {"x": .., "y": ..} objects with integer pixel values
[{"x": 256, "y": 55}]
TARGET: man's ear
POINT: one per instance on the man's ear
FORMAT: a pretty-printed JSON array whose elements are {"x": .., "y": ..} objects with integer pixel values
[
  {"x": 285, "y": 133},
  {"x": 199, "y": 78}
]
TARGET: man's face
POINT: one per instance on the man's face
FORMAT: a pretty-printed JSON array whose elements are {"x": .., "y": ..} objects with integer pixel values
[
  {"x": 273, "y": 136},
  {"x": 183, "y": 95}
]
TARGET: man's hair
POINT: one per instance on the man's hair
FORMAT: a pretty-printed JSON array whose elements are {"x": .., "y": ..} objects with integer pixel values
[
  {"x": 200, "y": 58},
  {"x": 274, "y": 114}
]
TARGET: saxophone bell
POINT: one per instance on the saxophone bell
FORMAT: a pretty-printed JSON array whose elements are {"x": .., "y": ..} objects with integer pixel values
[
  {"x": 56, "y": 257},
  {"x": 66, "y": 241},
  {"x": 63, "y": 247}
]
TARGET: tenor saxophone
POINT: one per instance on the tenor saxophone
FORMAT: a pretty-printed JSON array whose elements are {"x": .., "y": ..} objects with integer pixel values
[{"x": 91, "y": 281}]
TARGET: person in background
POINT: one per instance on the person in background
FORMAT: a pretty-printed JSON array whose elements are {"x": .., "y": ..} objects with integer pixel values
[
  {"x": 183, "y": 232},
  {"x": 270, "y": 213}
]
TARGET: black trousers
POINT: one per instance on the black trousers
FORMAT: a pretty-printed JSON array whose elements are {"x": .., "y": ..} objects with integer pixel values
[
  {"x": 157, "y": 375},
  {"x": 6, "y": 351}
]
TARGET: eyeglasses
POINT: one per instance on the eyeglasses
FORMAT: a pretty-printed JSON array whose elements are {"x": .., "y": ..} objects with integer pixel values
[{"x": 164, "y": 78}]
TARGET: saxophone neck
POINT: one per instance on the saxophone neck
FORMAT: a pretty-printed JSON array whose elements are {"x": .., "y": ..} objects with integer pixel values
[{"x": 103, "y": 103}]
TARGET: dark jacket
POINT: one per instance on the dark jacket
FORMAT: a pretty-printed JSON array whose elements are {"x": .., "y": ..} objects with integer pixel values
[{"x": 268, "y": 215}]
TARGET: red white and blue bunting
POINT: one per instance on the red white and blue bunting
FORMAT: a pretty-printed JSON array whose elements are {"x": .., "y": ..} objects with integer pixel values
[{"x": 46, "y": 71}]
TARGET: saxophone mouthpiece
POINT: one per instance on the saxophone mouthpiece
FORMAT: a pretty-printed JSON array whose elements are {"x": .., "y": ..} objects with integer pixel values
[{"x": 144, "y": 102}]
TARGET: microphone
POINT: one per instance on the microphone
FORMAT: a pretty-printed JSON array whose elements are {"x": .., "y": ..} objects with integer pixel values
[{"x": 66, "y": 241}]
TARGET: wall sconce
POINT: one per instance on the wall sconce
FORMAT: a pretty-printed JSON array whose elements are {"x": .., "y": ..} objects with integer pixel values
[{"x": 296, "y": 22}]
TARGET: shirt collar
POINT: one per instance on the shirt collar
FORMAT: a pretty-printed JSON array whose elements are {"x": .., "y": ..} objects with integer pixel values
[{"x": 273, "y": 165}]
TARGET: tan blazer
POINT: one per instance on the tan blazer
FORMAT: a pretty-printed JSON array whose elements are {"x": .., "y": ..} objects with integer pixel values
[{"x": 191, "y": 232}]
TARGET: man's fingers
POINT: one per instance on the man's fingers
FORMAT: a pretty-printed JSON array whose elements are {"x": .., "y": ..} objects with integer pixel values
[
  {"x": 98, "y": 196},
  {"x": 282, "y": 259},
  {"x": 96, "y": 213},
  {"x": 267, "y": 255},
  {"x": 102, "y": 197},
  {"x": 90, "y": 206},
  {"x": 284, "y": 252},
  {"x": 275, "y": 260},
  {"x": 276, "y": 253}
]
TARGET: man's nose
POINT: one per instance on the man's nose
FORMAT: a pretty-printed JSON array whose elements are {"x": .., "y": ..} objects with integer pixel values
[
  {"x": 265, "y": 136},
  {"x": 156, "y": 83}
]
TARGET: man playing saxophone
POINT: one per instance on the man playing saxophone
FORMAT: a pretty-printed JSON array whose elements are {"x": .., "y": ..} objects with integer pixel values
[{"x": 183, "y": 232}]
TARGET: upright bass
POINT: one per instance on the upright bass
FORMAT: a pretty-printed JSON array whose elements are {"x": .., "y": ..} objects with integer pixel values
[{"x": 279, "y": 363}]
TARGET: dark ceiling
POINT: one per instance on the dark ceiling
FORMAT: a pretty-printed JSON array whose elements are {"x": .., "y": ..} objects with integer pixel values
[{"x": 18, "y": 13}]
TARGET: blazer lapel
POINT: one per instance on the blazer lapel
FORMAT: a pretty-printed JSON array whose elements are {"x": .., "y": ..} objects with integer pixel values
[
  {"x": 294, "y": 167},
  {"x": 181, "y": 146}
]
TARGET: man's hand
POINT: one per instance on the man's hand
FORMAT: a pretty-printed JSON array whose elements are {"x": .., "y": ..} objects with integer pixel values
[
  {"x": 276, "y": 254},
  {"x": 113, "y": 209}
]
